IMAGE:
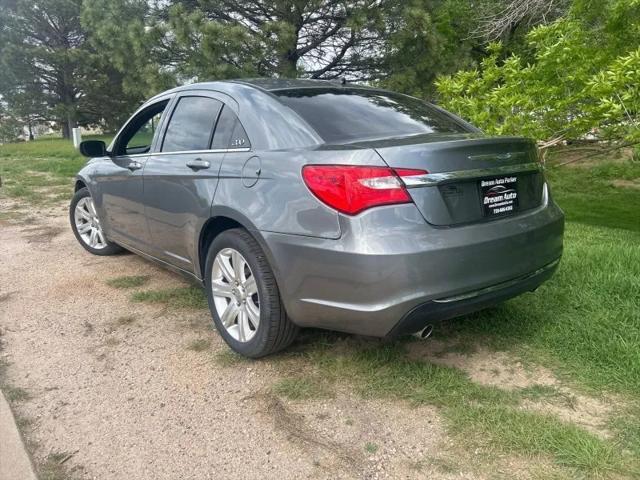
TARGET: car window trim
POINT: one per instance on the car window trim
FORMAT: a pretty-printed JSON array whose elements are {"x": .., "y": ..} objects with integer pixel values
[
  {"x": 134, "y": 155},
  {"x": 215, "y": 125},
  {"x": 217, "y": 150}
]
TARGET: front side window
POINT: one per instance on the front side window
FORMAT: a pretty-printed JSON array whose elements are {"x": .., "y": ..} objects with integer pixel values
[
  {"x": 144, "y": 136},
  {"x": 342, "y": 115},
  {"x": 138, "y": 135},
  {"x": 229, "y": 132},
  {"x": 191, "y": 124}
]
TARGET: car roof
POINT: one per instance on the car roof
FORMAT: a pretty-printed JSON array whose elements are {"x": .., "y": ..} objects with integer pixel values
[
  {"x": 271, "y": 84},
  {"x": 276, "y": 125},
  {"x": 265, "y": 84},
  {"x": 270, "y": 124}
]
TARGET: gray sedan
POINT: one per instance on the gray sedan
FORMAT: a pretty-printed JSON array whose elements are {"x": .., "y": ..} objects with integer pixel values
[{"x": 302, "y": 203}]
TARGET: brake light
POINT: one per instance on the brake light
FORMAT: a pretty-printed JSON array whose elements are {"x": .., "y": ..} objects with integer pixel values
[{"x": 352, "y": 189}]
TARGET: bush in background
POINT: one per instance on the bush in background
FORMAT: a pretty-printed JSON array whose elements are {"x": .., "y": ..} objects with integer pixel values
[{"x": 578, "y": 76}]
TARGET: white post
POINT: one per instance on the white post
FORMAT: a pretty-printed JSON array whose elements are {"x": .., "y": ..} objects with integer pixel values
[{"x": 77, "y": 137}]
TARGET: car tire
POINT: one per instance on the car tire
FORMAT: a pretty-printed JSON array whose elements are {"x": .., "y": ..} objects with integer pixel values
[
  {"x": 86, "y": 225},
  {"x": 235, "y": 260}
]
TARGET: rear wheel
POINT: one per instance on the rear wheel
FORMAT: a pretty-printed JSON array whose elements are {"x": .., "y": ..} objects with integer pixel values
[
  {"x": 244, "y": 298},
  {"x": 86, "y": 225}
]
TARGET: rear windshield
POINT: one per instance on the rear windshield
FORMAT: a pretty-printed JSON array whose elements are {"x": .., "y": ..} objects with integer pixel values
[{"x": 349, "y": 115}]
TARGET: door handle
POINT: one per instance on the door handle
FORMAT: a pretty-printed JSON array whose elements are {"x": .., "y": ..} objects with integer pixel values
[
  {"x": 198, "y": 164},
  {"x": 134, "y": 165}
]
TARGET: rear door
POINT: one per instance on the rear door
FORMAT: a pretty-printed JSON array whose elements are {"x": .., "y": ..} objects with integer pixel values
[{"x": 181, "y": 178}]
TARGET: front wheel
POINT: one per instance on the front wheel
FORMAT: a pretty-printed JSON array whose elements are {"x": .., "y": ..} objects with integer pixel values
[
  {"x": 244, "y": 298},
  {"x": 86, "y": 225}
]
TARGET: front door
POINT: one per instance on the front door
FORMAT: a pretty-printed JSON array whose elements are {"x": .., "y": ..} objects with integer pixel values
[
  {"x": 120, "y": 187},
  {"x": 181, "y": 178}
]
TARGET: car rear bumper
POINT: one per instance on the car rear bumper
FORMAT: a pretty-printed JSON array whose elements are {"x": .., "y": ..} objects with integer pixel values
[
  {"x": 391, "y": 273},
  {"x": 446, "y": 308}
]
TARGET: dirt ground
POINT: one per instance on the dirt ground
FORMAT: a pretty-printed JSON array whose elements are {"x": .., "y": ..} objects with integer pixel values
[
  {"x": 129, "y": 399},
  {"x": 133, "y": 401}
]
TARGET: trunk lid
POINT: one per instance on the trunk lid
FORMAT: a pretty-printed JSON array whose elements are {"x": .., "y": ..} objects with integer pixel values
[{"x": 470, "y": 178}]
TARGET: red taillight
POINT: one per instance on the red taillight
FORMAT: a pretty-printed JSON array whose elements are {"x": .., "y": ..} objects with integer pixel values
[{"x": 352, "y": 189}]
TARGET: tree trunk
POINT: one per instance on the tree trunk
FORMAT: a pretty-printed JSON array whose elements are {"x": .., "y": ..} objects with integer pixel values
[
  {"x": 288, "y": 67},
  {"x": 67, "y": 126},
  {"x": 72, "y": 124}
]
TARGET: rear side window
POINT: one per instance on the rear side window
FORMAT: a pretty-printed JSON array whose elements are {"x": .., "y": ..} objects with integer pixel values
[
  {"x": 191, "y": 124},
  {"x": 229, "y": 132},
  {"x": 347, "y": 115}
]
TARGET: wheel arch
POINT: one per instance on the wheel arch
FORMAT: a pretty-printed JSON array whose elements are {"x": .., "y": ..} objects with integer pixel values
[
  {"x": 222, "y": 219},
  {"x": 80, "y": 183},
  {"x": 210, "y": 230}
]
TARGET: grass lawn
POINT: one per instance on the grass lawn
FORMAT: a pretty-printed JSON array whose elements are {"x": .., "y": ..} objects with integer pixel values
[
  {"x": 586, "y": 320},
  {"x": 42, "y": 170},
  {"x": 584, "y": 325}
]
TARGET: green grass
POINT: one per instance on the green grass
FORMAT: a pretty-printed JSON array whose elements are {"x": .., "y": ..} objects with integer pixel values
[
  {"x": 40, "y": 171},
  {"x": 128, "y": 281},
  {"x": 199, "y": 345},
  {"x": 180, "y": 297},
  {"x": 626, "y": 425},
  {"x": 478, "y": 416},
  {"x": 521, "y": 432},
  {"x": 229, "y": 359},
  {"x": 370, "y": 447},
  {"x": 302, "y": 387},
  {"x": 540, "y": 392},
  {"x": 585, "y": 321},
  {"x": 47, "y": 147},
  {"x": 589, "y": 197},
  {"x": 15, "y": 394},
  {"x": 388, "y": 373}
]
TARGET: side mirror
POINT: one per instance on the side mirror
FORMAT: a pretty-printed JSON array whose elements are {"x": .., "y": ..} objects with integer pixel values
[{"x": 93, "y": 148}]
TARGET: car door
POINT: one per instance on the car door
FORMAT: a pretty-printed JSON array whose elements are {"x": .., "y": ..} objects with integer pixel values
[
  {"x": 120, "y": 187},
  {"x": 181, "y": 178}
]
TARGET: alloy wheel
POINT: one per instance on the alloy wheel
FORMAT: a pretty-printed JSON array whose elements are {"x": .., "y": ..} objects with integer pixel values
[
  {"x": 235, "y": 294},
  {"x": 88, "y": 224}
]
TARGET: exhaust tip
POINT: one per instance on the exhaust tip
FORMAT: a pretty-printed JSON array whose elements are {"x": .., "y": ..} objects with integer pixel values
[{"x": 424, "y": 333}]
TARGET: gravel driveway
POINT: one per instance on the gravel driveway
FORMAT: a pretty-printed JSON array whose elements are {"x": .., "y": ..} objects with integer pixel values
[{"x": 115, "y": 385}]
